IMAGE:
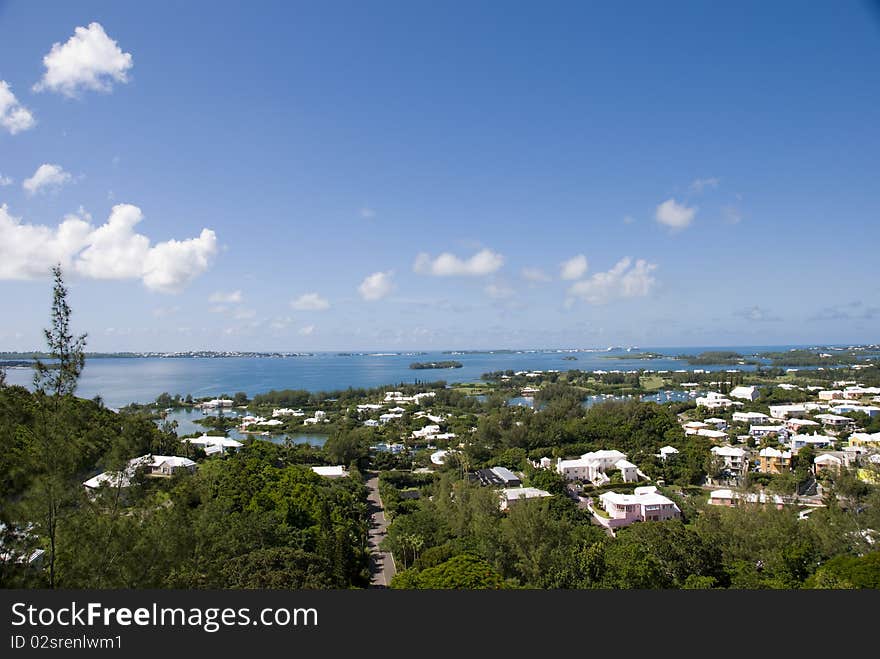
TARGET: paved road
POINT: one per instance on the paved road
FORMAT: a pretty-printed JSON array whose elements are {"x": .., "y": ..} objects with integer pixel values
[{"x": 382, "y": 566}]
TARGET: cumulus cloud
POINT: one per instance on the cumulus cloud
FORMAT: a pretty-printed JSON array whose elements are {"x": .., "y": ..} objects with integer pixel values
[
  {"x": 535, "y": 275},
  {"x": 626, "y": 279},
  {"x": 14, "y": 117},
  {"x": 573, "y": 268},
  {"x": 5, "y": 180},
  {"x": 110, "y": 251},
  {"x": 47, "y": 177},
  {"x": 89, "y": 60},
  {"x": 675, "y": 215},
  {"x": 308, "y": 330},
  {"x": 223, "y": 297},
  {"x": 700, "y": 184},
  {"x": 310, "y": 302},
  {"x": 376, "y": 286},
  {"x": 484, "y": 262}
]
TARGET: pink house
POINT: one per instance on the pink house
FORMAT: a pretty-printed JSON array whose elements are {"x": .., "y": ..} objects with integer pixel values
[{"x": 643, "y": 505}]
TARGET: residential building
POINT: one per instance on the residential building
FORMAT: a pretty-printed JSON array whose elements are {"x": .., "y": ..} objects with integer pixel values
[
  {"x": 718, "y": 424},
  {"x": 763, "y": 431},
  {"x": 511, "y": 495},
  {"x": 797, "y": 442},
  {"x": 750, "y": 417},
  {"x": 735, "y": 459},
  {"x": 645, "y": 504},
  {"x": 830, "y": 394},
  {"x": 212, "y": 445},
  {"x": 497, "y": 477},
  {"x": 774, "y": 461},
  {"x": 335, "y": 471},
  {"x": 864, "y": 439},
  {"x": 829, "y": 462},
  {"x": 745, "y": 393},
  {"x": 787, "y": 411},
  {"x": 721, "y": 498},
  {"x": 667, "y": 451},
  {"x": 154, "y": 465},
  {"x": 592, "y": 466},
  {"x": 835, "y": 421},
  {"x": 797, "y": 425}
]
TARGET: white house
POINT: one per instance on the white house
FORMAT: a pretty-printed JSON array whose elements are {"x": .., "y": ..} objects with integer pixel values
[
  {"x": 286, "y": 411},
  {"x": 666, "y": 451},
  {"x": 592, "y": 466},
  {"x": 371, "y": 423},
  {"x": 693, "y": 427},
  {"x": 156, "y": 465},
  {"x": 439, "y": 457},
  {"x": 750, "y": 417},
  {"x": 745, "y": 393},
  {"x": 213, "y": 445},
  {"x": 835, "y": 420},
  {"x": 511, "y": 495},
  {"x": 427, "y": 431},
  {"x": 714, "y": 435},
  {"x": 719, "y": 424},
  {"x": 335, "y": 471},
  {"x": 828, "y": 462},
  {"x": 830, "y": 394},
  {"x": 385, "y": 418},
  {"x": 715, "y": 401},
  {"x": 797, "y": 442},
  {"x": 787, "y": 411},
  {"x": 734, "y": 458},
  {"x": 762, "y": 431}
]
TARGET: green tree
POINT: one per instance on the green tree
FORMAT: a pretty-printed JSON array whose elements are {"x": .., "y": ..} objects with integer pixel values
[{"x": 53, "y": 454}]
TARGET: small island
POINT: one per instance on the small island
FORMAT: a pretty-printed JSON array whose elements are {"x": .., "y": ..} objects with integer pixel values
[{"x": 443, "y": 364}]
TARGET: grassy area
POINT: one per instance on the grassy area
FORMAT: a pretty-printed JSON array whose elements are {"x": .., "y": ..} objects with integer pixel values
[{"x": 651, "y": 382}]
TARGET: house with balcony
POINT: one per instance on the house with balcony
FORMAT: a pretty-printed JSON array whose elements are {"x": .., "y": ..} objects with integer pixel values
[
  {"x": 735, "y": 459},
  {"x": 645, "y": 504},
  {"x": 592, "y": 467},
  {"x": 774, "y": 461}
]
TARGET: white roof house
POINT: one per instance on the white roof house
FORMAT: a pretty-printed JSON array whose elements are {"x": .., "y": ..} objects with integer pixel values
[
  {"x": 212, "y": 444},
  {"x": 745, "y": 393},
  {"x": 439, "y": 457},
  {"x": 787, "y": 411},
  {"x": 712, "y": 434},
  {"x": 828, "y": 460},
  {"x": 797, "y": 442},
  {"x": 771, "y": 452},
  {"x": 721, "y": 497},
  {"x": 335, "y": 471},
  {"x": 512, "y": 494},
  {"x": 666, "y": 451},
  {"x": 750, "y": 417},
  {"x": 760, "y": 431},
  {"x": 798, "y": 424},
  {"x": 158, "y": 465},
  {"x": 644, "y": 504}
]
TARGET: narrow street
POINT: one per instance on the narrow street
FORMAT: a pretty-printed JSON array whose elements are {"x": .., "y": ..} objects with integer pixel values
[{"x": 382, "y": 567}]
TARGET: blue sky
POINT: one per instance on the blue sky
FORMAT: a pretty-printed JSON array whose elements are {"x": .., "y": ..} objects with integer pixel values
[{"x": 345, "y": 175}]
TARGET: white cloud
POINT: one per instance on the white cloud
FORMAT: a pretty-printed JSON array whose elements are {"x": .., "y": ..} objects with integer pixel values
[
  {"x": 308, "y": 330},
  {"x": 89, "y": 60},
  {"x": 499, "y": 291},
  {"x": 232, "y": 297},
  {"x": 244, "y": 314},
  {"x": 376, "y": 286},
  {"x": 110, "y": 251},
  {"x": 573, "y": 268},
  {"x": 310, "y": 302},
  {"x": 700, "y": 184},
  {"x": 47, "y": 177},
  {"x": 281, "y": 323},
  {"x": 624, "y": 280},
  {"x": 675, "y": 215},
  {"x": 14, "y": 117},
  {"x": 368, "y": 213},
  {"x": 484, "y": 262},
  {"x": 5, "y": 180},
  {"x": 535, "y": 275},
  {"x": 732, "y": 215}
]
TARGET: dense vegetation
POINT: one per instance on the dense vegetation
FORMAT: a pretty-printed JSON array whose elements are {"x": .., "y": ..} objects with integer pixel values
[{"x": 440, "y": 364}]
